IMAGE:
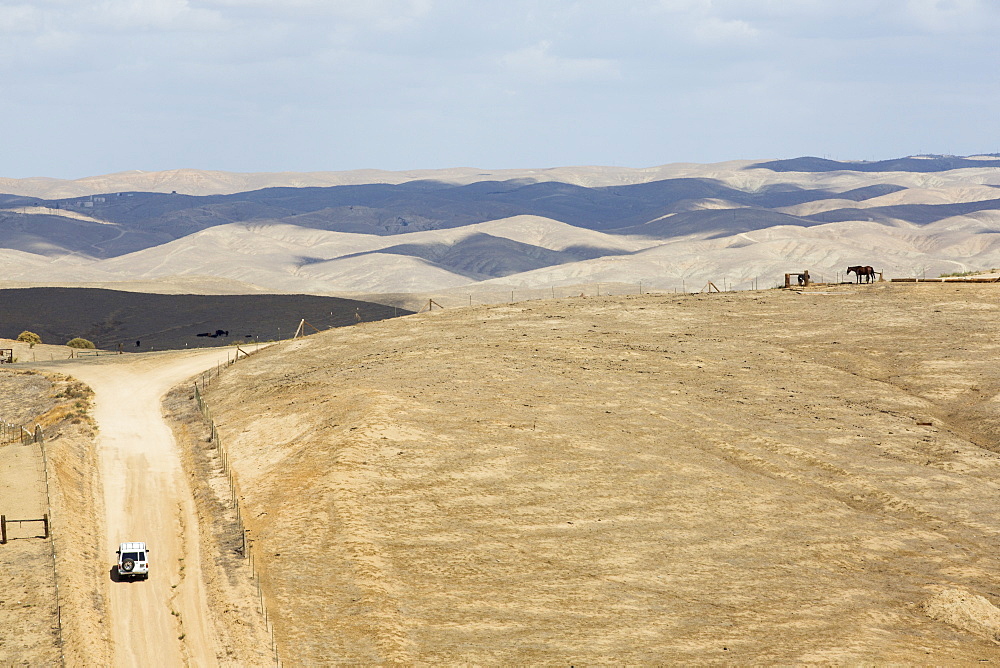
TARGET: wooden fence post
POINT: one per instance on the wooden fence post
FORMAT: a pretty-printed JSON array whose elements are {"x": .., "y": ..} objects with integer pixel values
[
  {"x": 3, "y": 529},
  {"x": 45, "y": 524}
]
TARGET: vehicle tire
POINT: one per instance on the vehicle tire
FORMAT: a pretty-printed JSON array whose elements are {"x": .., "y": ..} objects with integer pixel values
[{"x": 128, "y": 565}]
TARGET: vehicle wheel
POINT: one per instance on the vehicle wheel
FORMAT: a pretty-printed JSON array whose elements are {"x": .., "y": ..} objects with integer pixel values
[{"x": 128, "y": 565}]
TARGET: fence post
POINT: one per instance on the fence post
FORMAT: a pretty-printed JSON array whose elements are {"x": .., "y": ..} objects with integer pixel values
[
  {"x": 248, "y": 554},
  {"x": 3, "y": 529},
  {"x": 45, "y": 524}
]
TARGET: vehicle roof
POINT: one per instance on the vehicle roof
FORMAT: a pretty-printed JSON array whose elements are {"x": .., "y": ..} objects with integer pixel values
[{"x": 132, "y": 546}]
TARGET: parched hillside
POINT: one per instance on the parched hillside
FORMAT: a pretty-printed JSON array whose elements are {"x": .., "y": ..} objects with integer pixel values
[{"x": 764, "y": 477}]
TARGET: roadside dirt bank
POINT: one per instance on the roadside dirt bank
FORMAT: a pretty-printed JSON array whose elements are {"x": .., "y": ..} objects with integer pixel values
[
  {"x": 31, "y": 603},
  {"x": 767, "y": 477},
  {"x": 230, "y": 590}
]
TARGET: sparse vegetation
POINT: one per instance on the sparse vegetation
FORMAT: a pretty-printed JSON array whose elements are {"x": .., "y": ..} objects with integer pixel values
[
  {"x": 75, "y": 402},
  {"x": 80, "y": 343},
  {"x": 957, "y": 274},
  {"x": 29, "y": 337},
  {"x": 74, "y": 390}
]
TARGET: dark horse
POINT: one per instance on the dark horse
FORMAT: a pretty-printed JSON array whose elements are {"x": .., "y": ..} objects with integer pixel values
[{"x": 859, "y": 271}]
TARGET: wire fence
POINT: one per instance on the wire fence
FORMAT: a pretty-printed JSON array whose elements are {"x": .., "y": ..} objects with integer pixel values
[
  {"x": 15, "y": 433},
  {"x": 496, "y": 295},
  {"x": 247, "y": 550},
  {"x": 40, "y": 439},
  {"x": 477, "y": 296}
]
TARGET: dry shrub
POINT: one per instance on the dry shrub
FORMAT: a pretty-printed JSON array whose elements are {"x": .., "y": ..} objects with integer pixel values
[{"x": 29, "y": 337}]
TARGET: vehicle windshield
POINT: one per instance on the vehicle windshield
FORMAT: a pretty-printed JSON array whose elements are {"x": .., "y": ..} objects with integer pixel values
[{"x": 134, "y": 556}]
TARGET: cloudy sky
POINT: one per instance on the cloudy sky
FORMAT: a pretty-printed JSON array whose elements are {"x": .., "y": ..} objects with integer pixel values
[{"x": 96, "y": 86}]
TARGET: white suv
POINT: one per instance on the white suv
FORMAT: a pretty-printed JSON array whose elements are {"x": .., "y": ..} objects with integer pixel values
[{"x": 133, "y": 560}]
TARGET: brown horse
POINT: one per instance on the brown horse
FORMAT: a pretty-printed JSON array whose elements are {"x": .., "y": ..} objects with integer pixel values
[{"x": 859, "y": 271}]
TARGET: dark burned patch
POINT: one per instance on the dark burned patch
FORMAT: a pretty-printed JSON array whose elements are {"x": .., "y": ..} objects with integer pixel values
[{"x": 140, "y": 322}]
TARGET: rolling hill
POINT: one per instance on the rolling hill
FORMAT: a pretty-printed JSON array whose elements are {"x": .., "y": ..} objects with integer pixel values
[{"x": 668, "y": 227}]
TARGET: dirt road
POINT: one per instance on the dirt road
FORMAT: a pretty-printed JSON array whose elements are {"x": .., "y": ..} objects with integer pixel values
[{"x": 163, "y": 620}]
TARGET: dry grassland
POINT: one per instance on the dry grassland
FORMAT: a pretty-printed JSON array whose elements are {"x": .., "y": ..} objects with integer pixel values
[
  {"x": 30, "y": 600},
  {"x": 27, "y": 578},
  {"x": 767, "y": 477}
]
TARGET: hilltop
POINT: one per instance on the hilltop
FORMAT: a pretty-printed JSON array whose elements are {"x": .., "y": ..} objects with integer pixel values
[{"x": 770, "y": 477}]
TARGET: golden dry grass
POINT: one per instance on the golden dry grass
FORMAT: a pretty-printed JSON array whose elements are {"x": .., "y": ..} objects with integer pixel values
[{"x": 727, "y": 478}]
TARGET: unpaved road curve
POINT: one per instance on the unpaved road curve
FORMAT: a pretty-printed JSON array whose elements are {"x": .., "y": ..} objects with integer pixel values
[{"x": 164, "y": 620}]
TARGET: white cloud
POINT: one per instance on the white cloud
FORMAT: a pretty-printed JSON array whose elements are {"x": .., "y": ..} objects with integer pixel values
[
  {"x": 846, "y": 18},
  {"x": 106, "y": 16},
  {"x": 537, "y": 62},
  {"x": 154, "y": 15},
  {"x": 707, "y": 23},
  {"x": 19, "y": 18},
  {"x": 714, "y": 30},
  {"x": 387, "y": 15},
  {"x": 938, "y": 16}
]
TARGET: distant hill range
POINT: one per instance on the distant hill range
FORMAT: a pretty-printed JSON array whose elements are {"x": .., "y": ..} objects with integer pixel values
[
  {"x": 119, "y": 223},
  {"x": 457, "y": 229},
  {"x": 924, "y": 164}
]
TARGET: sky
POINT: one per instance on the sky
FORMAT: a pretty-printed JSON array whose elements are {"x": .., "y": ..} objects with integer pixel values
[{"x": 90, "y": 87}]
